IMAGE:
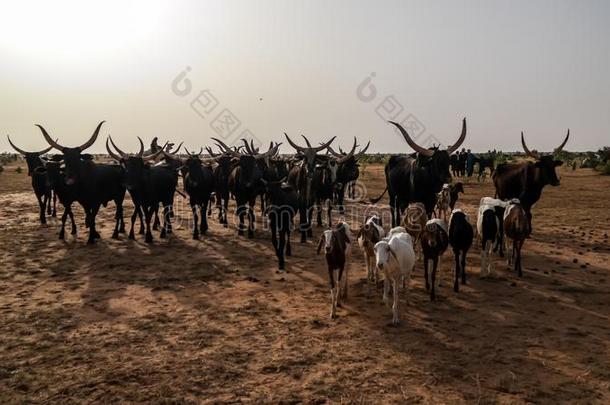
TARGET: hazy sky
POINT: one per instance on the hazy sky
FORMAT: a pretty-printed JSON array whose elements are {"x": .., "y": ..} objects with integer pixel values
[{"x": 301, "y": 66}]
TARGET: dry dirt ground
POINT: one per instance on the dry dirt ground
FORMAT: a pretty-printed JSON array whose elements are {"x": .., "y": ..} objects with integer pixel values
[{"x": 212, "y": 321}]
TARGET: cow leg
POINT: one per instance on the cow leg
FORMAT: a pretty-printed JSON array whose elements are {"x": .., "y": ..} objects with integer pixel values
[
  {"x": 456, "y": 284},
  {"x": 204, "y": 220},
  {"x": 330, "y": 209},
  {"x": 132, "y": 235},
  {"x": 263, "y": 204},
  {"x": 166, "y": 219},
  {"x": 281, "y": 246},
  {"x": 303, "y": 223},
  {"x": 241, "y": 211},
  {"x": 41, "y": 208},
  {"x": 73, "y": 232},
  {"x": 156, "y": 223},
  {"x": 273, "y": 227},
  {"x": 64, "y": 217},
  {"x": 310, "y": 221},
  {"x": 251, "y": 219},
  {"x": 148, "y": 213},
  {"x": 195, "y": 228},
  {"x": 118, "y": 217},
  {"x": 341, "y": 199},
  {"x": 319, "y": 213}
]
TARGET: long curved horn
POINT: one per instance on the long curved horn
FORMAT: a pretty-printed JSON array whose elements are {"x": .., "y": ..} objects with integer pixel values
[
  {"x": 324, "y": 145},
  {"x": 111, "y": 153},
  {"x": 412, "y": 144},
  {"x": 24, "y": 152},
  {"x": 530, "y": 153},
  {"x": 271, "y": 152},
  {"x": 50, "y": 140},
  {"x": 362, "y": 151},
  {"x": 123, "y": 154},
  {"x": 307, "y": 141},
  {"x": 254, "y": 149},
  {"x": 228, "y": 150},
  {"x": 294, "y": 145},
  {"x": 460, "y": 140},
  {"x": 335, "y": 154},
  {"x": 560, "y": 147},
  {"x": 250, "y": 151},
  {"x": 351, "y": 153},
  {"x": 91, "y": 140},
  {"x": 155, "y": 154},
  {"x": 141, "y": 152},
  {"x": 212, "y": 154}
]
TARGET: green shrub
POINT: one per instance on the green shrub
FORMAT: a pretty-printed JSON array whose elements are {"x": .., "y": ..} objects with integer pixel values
[
  {"x": 19, "y": 169},
  {"x": 604, "y": 168},
  {"x": 1, "y": 168}
]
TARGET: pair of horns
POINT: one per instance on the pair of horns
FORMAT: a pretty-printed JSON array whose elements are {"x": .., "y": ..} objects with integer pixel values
[
  {"x": 309, "y": 148},
  {"x": 122, "y": 155},
  {"x": 226, "y": 149},
  {"x": 42, "y": 152},
  {"x": 344, "y": 157},
  {"x": 59, "y": 147},
  {"x": 537, "y": 155},
  {"x": 428, "y": 152}
]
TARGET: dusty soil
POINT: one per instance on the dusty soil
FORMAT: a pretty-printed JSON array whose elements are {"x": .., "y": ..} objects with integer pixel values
[{"x": 212, "y": 321}]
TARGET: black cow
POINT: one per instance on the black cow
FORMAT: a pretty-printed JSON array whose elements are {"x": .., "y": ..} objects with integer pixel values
[
  {"x": 282, "y": 205},
  {"x": 40, "y": 182},
  {"x": 417, "y": 179},
  {"x": 95, "y": 184},
  {"x": 221, "y": 175},
  {"x": 139, "y": 183},
  {"x": 485, "y": 162},
  {"x": 245, "y": 184},
  {"x": 525, "y": 180},
  {"x": 64, "y": 192},
  {"x": 347, "y": 172},
  {"x": 324, "y": 185},
  {"x": 301, "y": 178},
  {"x": 199, "y": 184}
]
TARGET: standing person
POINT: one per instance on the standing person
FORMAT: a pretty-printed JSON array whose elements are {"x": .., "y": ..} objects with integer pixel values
[
  {"x": 469, "y": 163},
  {"x": 462, "y": 163}
]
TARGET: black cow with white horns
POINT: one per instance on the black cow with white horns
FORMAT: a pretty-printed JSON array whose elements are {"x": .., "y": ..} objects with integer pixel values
[
  {"x": 95, "y": 184},
  {"x": 245, "y": 183},
  {"x": 347, "y": 172},
  {"x": 301, "y": 177},
  {"x": 525, "y": 180},
  {"x": 199, "y": 184},
  {"x": 420, "y": 178},
  {"x": 139, "y": 183},
  {"x": 40, "y": 181}
]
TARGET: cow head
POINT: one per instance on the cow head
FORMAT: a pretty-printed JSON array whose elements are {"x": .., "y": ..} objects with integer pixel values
[
  {"x": 309, "y": 154},
  {"x": 32, "y": 159},
  {"x": 73, "y": 156},
  {"x": 545, "y": 164},
  {"x": 435, "y": 160},
  {"x": 348, "y": 162},
  {"x": 135, "y": 165}
]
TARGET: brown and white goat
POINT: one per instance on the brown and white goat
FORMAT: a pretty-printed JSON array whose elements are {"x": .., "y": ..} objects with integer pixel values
[
  {"x": 516, "y": 229},
  {"x": 337, "y": 250},
  {"x": 434, "y": 242},
  {"x": 368, "y": 235}
]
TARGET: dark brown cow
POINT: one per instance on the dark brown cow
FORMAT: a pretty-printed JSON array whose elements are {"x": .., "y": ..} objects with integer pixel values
[{"x": 525, "y": 180}]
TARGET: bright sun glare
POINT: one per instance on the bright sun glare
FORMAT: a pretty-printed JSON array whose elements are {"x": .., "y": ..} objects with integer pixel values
[{"x": 73, "y": 30}]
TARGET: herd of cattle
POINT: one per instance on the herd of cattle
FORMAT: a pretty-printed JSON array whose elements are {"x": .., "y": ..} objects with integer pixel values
[{"x": 419, "y": 185}]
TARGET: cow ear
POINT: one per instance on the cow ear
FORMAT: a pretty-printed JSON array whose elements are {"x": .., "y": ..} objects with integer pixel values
[
  {"x": 86, "y": 156},
  {"x": 558, "y": 162}
]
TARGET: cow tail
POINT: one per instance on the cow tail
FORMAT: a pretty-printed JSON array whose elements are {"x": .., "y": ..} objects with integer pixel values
[{"x": 376, "y": 200}]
